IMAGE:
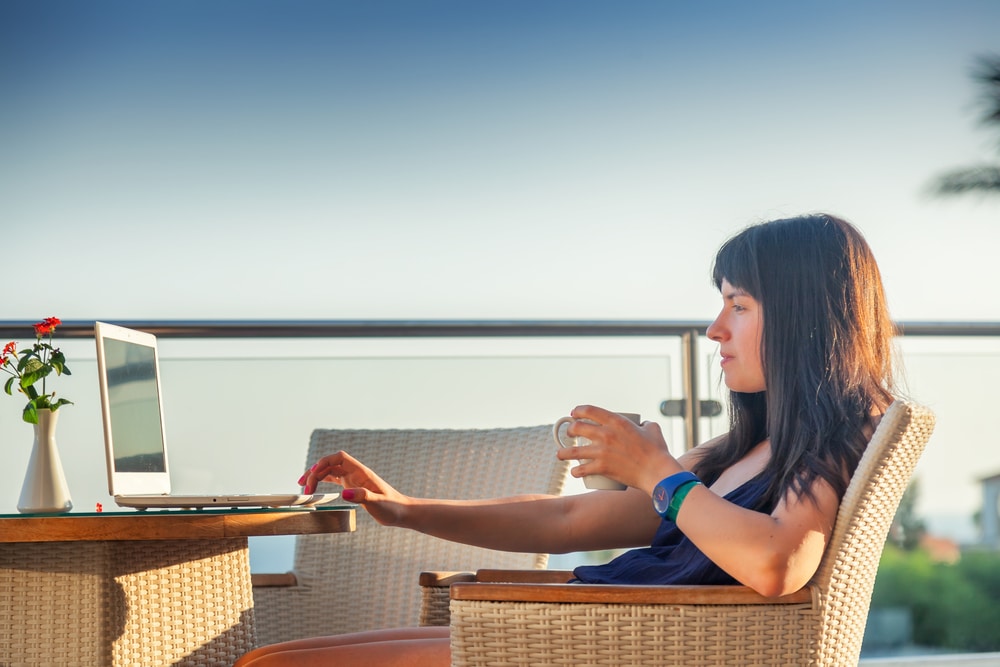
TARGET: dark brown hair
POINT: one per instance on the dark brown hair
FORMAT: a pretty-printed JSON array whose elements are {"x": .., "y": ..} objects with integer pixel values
[{"x": 826, "y": 349}]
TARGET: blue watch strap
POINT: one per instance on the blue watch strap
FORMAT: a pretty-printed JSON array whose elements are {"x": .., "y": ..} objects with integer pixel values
[{"x": 664, "y": 492}]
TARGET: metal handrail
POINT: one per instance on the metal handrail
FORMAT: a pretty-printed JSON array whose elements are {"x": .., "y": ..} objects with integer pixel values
[
  {"x": 13, "y": 329},
  {"x": 372, "y": 328}
]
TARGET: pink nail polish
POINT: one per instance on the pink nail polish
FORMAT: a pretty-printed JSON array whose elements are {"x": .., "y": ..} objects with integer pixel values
[{"x": 348, "y": 494}]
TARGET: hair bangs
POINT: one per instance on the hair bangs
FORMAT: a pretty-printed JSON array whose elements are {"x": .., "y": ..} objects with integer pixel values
[{"x": 736, "y": 263}]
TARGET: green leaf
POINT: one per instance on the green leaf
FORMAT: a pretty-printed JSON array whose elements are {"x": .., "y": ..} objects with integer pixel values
[
  {"x": 60, "y": 402},
  {"x": 34, "y": 373},
  {"x": 7, "y": 385},
  {"x": 29, "y": 363},
  {"x": 30, "y": 413},
  {"x": 58, "y": 362}
]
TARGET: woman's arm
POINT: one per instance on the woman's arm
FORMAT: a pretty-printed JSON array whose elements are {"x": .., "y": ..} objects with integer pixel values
[
  {"x": 773, "y": 554},
  {"x": 529, "y": 523}
]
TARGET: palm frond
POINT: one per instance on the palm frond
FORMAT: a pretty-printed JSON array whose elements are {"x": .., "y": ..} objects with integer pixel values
[
  {"x": 987, "y": 72},
  {"x": 985, "y": 179}
]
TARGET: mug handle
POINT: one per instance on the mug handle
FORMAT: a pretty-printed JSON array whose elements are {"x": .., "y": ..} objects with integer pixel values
[{"x": 556, "y": 430}]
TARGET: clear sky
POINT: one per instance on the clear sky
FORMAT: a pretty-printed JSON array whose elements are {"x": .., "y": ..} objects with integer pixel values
[{"x": 435, "y": 159}]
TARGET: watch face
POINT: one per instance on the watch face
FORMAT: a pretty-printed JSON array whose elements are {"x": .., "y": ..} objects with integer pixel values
[{"x": 661, "y": 501}]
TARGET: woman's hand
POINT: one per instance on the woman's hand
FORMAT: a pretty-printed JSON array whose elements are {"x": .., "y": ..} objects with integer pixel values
[
  {"x": 361, "y": 485},
  {"x": 619, "y": 449}
]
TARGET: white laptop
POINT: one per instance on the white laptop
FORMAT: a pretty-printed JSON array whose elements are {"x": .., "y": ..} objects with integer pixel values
[{"x": 134, "y": 435}]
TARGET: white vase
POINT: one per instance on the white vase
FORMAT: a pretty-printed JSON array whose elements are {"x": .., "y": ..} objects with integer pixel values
[{"x": 44, "y": 489}]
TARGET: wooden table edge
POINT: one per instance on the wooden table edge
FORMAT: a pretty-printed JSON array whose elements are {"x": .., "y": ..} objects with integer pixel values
[{"x": 150, "y": 525}]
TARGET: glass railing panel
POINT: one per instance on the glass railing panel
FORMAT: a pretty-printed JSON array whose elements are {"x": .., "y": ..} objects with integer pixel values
[
  {"x": 956, "y": 377},
  {"x": 239, "y": 413},
  {"x": 256, "y": 400}
]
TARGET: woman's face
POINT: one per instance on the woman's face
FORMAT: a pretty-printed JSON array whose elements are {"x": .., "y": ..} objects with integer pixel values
[{"x": 738, "y": 330}]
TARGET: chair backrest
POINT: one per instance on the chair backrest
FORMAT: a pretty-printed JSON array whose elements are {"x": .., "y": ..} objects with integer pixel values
[
  {"x": 846, "y": 576},
  {"x": 375, "y": 569}
]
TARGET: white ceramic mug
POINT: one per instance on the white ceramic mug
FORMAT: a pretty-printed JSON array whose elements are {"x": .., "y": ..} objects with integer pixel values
[{"x": 591, "y": 481}]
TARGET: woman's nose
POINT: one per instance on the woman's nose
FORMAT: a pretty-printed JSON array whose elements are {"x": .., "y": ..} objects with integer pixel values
[{"x": 715, "y": 331}]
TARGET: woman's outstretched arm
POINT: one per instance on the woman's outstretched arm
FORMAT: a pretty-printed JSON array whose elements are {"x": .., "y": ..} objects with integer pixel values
[{"x": 528, "y": 523}]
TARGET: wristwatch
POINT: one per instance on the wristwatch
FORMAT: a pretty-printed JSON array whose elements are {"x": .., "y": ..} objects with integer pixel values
[{"x": 664, "y": 492}]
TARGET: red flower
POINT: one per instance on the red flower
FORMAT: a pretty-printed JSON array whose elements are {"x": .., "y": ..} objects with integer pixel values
[
  {"x": 47, "y": 326},
  {"x": 9, "y": 348}
]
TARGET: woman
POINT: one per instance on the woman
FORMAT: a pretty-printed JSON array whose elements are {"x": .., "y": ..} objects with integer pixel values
[{"x": 805, "y": 342}]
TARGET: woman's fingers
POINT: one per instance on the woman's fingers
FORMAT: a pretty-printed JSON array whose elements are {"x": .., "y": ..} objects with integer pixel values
[{"x": 332, "y": 468}]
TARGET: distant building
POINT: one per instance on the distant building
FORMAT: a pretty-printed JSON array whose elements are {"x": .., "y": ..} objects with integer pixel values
[
  {"x": 941, "y": 549},
  {"x": 991, "y": 510}
]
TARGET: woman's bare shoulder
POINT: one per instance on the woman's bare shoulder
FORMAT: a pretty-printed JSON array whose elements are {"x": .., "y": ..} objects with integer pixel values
[{"x": 688, "y": 458}]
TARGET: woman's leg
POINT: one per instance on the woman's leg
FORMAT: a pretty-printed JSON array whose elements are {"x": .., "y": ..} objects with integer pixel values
[{"x": 410, "y": 647}]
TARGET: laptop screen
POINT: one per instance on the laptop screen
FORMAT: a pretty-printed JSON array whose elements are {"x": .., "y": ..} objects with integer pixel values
[{"x": 133, "y": 401}]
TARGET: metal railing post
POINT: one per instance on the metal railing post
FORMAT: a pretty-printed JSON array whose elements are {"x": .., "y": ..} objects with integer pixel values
[{"x": 692, "y": 404}]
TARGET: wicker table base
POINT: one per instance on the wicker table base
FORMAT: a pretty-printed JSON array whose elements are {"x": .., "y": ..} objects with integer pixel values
[{"x": 156, "y": 602}]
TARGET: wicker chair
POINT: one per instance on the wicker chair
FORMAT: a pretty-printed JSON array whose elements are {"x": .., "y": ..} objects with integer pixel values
[
  {"x": 373, "y": 569},
  {"x": 822, "y": 624}
]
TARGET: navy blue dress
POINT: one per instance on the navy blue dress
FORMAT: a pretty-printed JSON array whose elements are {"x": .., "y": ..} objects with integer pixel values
[{"x": 672, "y": 558}]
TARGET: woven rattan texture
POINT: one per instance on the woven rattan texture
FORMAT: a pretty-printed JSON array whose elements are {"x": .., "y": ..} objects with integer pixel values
[
  {"x": 827, "y": 632},
  {"x": 375, "y": 569},
  {"x": 539, "y": 634},
  {"x": 149, "y": 603},
  {"x": 189, "y": 602},
  {"x": 434, "y": 608},
  {"x": 53, "y": 602}
]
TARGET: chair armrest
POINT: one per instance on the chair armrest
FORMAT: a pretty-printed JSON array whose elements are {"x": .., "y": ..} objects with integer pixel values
[
  {"x": 599, "y": 593},
  {"x": 285, "y": 580},
  {"x": 524, "y": 576},
  {"x": 435, "y": 578}
]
